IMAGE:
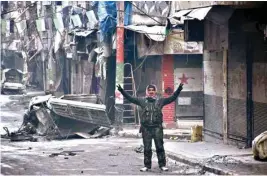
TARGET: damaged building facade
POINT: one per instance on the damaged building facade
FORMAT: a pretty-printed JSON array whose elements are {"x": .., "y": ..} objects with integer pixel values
[
  {"x": 217, "y": 49},
  {"x": 76, "y": 45},
  {"x": 156, "y": 49},
  {"x": 234, "y": 72}
]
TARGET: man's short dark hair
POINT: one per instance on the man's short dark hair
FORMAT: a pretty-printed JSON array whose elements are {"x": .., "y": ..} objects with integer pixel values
[{"x": 151, "y": 86}]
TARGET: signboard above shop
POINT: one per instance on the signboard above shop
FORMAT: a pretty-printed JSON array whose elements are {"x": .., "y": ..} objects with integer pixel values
[{"x": 173, "y": 44}]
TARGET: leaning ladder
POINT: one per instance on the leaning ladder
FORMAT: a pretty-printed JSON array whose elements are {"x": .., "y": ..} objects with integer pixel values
[{"x": 131, "y": 111}]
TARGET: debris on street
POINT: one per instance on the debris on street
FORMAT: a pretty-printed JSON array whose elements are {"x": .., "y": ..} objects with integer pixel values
[
  {"x": 139, "y": 149},
  {"x": 223, "y": 159},
  {"x": 69, "y": 116},
  {"x": 113, "y": 154},
  {"x": 64, "y": 153}
]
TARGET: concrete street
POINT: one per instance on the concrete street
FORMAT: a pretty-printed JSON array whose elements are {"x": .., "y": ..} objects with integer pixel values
[{"x": 109, "y": 156}]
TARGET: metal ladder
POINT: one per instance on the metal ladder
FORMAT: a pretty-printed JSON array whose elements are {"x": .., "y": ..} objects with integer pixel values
[{"x": 129, "y": 113}]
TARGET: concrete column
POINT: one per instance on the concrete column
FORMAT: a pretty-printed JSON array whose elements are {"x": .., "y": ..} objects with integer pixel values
[{"x": 225, "y": 96}]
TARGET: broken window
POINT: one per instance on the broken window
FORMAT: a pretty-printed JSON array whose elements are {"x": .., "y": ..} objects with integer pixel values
[
  {"x": 59, "y": 3},
  {"x": 12, "y": 23}
]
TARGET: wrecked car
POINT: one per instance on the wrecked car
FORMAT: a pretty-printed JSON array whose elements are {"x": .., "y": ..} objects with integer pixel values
[
  {"x": 61, "y": 118},
  {"x": 11, "y": 81}
]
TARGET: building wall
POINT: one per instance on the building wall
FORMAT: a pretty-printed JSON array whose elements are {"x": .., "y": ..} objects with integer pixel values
[
  {"x": 213, "y": 84},
  {"x": 148, "y": 73},
  {"x": 87, "y": 73},
  {"x": 167, "y": 72},
  {"x": 188, "y": 69},
  {"x": 81, "y": 72},
  {"x": 246, "y": 43},
  {"x": 237, "y": 79}
]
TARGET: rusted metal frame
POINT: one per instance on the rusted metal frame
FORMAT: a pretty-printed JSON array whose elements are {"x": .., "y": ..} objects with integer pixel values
[
  {"x": 183, "y": 5},
  {"x": 225, "y": 96}
]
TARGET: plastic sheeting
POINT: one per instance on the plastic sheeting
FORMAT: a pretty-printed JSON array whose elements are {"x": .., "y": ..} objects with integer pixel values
[
  {"x": 107, "y": 14},
  {"x": 127, "y": 14}
]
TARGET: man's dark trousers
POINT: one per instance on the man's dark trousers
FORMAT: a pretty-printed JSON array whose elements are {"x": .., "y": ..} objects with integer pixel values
[{"x": 156, "y": 133}]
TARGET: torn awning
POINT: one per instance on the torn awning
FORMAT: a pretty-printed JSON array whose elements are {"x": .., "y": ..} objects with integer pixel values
[
  {"x": 199, "y": 13},
  {"x": 180, "y": 13},
  {"x": 156, "y": 33}
]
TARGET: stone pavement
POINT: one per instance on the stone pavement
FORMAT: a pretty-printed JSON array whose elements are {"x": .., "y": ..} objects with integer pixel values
[
  {"x": 175, "y": 134},
  {"x": 214, "y": 157}
]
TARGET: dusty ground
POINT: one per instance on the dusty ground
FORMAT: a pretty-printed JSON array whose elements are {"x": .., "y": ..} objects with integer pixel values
[
  {"x": 108, "y": 156},
  {"x": 94, "y": 156}
]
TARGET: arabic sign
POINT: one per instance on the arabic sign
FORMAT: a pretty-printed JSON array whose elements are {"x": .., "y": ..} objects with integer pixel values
[{"x": 174, "y": 44}]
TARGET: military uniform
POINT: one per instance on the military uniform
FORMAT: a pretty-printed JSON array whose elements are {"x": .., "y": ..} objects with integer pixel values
[{"x": 151, "y": 123}]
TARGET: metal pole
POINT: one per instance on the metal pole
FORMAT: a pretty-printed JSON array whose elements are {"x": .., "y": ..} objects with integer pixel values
[{"x": 120, "y": 52}]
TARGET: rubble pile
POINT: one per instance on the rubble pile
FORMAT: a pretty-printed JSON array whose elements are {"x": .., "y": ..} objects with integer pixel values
[{"x": 72, "y": 116}]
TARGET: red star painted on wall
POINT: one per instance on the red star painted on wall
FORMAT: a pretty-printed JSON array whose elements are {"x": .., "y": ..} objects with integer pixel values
[{"x": 184, "y": 79}]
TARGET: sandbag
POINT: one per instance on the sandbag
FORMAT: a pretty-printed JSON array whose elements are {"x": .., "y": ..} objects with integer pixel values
[{"x": 259, "y": 146}]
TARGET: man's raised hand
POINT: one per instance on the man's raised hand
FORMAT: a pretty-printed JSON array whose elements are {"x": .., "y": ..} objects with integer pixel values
[
  {"x": 181, "y": 86},
  {"x": 119, "y": 87}
]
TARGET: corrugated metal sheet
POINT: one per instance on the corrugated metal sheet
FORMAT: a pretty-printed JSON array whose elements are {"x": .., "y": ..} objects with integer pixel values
[
  {"x": 182, "y": 5},
  {"x": 156, "y": 33},
  {"x": 137, "y": 19},
  {"x": 152, "y": 8},
  {"x": 260, "y": 118},
  {"x": 259, "y": 95},
  {"x": 213, "y": 114}
]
